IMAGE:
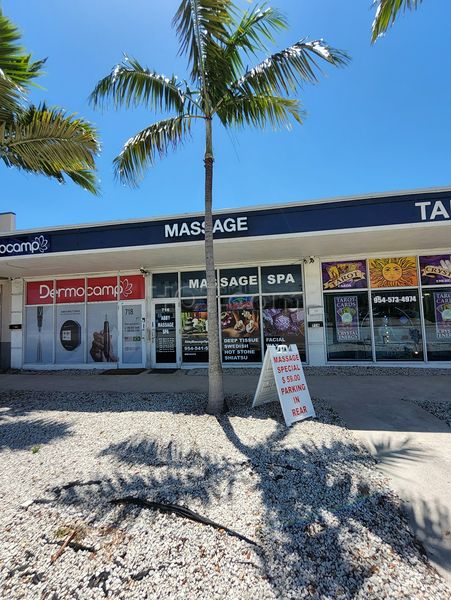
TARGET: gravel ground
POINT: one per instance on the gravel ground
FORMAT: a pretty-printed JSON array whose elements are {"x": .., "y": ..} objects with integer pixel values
[
  {"x": 439, "y": 408},
  {"x": 362, "y": 371},
  {"x": 324, "y": 522}
]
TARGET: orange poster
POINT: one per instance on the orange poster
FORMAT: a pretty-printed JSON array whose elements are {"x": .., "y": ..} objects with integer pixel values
[{"x": 393, "y": 272}]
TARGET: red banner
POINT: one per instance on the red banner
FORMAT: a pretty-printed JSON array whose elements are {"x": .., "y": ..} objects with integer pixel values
[
  {"x": 102, "y": 289},
  {"x": 69, "y": 291},
  {"x": 132, "y": 287},
  {"x": 96, "y": 289},
  {"x": 40, "y": 292}
]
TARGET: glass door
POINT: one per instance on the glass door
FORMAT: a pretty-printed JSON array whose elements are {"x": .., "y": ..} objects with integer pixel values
[
  {"x": 397, "y": 325},
  {"x": 165, "y": 337},
  {"x": 132, "y": 338}
]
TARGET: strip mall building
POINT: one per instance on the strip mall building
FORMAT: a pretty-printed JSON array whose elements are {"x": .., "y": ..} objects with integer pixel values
[{"x": 361, "y": 280}]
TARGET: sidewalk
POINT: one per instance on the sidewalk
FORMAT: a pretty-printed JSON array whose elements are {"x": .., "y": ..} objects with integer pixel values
[{"x": 412, "y": 447}]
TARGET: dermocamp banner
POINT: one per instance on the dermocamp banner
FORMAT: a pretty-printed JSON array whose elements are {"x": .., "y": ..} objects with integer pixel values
[{"x": 92, "y": 289}]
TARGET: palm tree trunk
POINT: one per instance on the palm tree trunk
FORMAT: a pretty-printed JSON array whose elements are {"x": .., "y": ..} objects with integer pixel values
[{"x": 215, "y": 384}]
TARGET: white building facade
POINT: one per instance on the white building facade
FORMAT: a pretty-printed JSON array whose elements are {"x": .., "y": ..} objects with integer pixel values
[{"x": 361, "y": 280}]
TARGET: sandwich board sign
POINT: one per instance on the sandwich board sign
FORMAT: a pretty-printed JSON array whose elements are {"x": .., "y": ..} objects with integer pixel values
[{"x": 282, "y": 375}]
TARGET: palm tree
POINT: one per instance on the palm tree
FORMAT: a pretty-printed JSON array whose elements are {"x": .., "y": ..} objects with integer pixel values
[
  {"x": 386, "y": 13},
  {"x": 39, "y": 139},
  {"x": 217, "y": 38}
]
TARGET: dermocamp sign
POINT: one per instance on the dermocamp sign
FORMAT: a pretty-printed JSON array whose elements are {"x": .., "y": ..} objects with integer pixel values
[
  {"x": 92, "y": 289},
  {"x": 38, "y": 244}
]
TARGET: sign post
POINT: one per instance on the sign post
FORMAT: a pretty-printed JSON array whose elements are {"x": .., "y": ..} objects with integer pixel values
[{"x": 282, "y": 375}]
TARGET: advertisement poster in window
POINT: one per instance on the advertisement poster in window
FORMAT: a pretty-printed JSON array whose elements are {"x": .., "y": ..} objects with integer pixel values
[
  {"x": 442, "y": 304},
  {"x": 347, "y": 318},
  {"x": 70, "y": 334},
  {"x": 132, "y": 333},
  {"x": 39, "y": 335},
  {"x": 102, "y": 332},
  {"x": 344, "y": 275},
  {"x": 240, "y": 323},
  {"x": 283, "y": 325},
  {"x": 393, "y": 272},
  {"x": 435, "y": 269},
  {"x": 194, "y": 331}
]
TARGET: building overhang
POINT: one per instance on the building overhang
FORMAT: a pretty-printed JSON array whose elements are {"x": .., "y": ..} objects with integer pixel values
[{"x": 290, "y": 247}]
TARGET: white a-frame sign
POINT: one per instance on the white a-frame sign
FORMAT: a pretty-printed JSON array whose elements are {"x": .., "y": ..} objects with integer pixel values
[{"x": 282, "y": 375}]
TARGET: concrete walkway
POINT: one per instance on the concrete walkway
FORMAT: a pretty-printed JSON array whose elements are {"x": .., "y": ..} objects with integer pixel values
[{"x": 412, "y": 447}]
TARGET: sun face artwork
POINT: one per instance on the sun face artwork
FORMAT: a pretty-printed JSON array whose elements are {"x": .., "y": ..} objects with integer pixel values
[{"x": 393, "y": 272}]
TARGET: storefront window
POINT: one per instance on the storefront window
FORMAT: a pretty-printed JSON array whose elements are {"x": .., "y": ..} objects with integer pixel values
[
  {"x": 132, "y": 332},
  {"x": 397, "y": 325},
  {"x": 102, "y": 332},
  {"x": 193, "y": 284},
  {"x": 437, "y": 318},
  {"x": 76, "y": 321},
  {"x": 284, "y": 321},
  {"x": 240, "y": 324},
  {"x": 282, "y": 278},
  {"x": 348, "y": 330},
  {"x": 39, "y": 335},
  {"x": 70, "y": 338},
  {"x": 194, "y": 330},
  {"x": 238, "y": 281},
  {"x": 165, "y": 285}
]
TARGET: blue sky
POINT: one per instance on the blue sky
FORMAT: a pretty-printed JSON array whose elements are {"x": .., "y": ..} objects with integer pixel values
[{"x": 382, "y": 123}]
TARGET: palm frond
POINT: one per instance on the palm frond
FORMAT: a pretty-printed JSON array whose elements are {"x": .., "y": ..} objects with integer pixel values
[
  {"x": 386, "y": 13},
  {"x": 201, "y": 25},
  {"x": 15, "y": 63},
  {"x": 224, "y": 62},
  {"x": 85, "y": 179},
  {"x": 10, "y": 99},
  {"x": 129, "y": 83},
  {"x": 49, "y": 142},
  {"x": 260, "y": 111},
  {"x": 141, "y": 150},
  {"x": 285, "y": 71},
  {"x": 255, "y": 27}
]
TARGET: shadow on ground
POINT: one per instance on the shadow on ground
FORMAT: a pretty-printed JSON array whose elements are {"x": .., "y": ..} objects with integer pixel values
[
  {"x": 30, "y": 433},
  {"x": 324, "y": 522}
]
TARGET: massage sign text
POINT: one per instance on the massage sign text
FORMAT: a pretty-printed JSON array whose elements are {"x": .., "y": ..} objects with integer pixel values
[{"x": 282, "y": 375}]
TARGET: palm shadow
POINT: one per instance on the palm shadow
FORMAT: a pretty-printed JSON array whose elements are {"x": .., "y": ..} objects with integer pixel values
[
  {"x": 30, "y": 433},
  {"x": 310, "y": 505}
]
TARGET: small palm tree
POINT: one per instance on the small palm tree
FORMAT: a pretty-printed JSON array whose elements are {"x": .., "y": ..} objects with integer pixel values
[
  {"x": 386, "y": 13},
  {"x": 217, "y": 38},
  {"x": 38, "y": 139}
]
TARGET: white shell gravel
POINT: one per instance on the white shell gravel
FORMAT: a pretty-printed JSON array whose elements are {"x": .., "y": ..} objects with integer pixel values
[{"x": 326, "y": 524}]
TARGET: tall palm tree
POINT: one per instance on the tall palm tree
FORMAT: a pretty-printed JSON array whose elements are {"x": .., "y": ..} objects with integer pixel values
[
  {"x": 217, "y": 38},
  {"x": 386, "y": 13},
  {"x": 39, "y": 139}
]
